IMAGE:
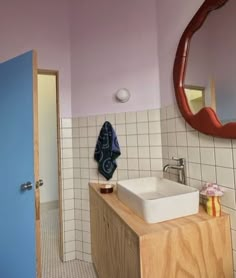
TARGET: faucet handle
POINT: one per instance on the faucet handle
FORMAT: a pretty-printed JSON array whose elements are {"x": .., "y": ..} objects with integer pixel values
[{"x": 180, "y": 160}]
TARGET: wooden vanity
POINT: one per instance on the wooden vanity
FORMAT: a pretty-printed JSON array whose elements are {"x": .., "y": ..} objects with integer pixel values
[{"x": 124, "y": 246}]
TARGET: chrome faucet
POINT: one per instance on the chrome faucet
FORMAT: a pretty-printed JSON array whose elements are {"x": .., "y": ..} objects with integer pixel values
[{"x": 180, "y": 167}]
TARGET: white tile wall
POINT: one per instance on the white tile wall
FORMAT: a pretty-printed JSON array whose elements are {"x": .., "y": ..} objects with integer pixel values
[
  {"x": 148, "y": 139},
  {"x": 207, "y": 159},
  {"x": 139, "y": 136}
]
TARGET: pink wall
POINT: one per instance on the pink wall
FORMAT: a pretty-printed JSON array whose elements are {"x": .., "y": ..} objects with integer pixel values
[
  {"x": 173, "y": 17},
  {"x": 114, "y": 45},
  {"x": 43, "y": 26}
]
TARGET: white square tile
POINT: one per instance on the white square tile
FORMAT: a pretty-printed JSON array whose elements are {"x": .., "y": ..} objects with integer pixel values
[
  {"x": 143, "y": 152},
  {"x": 79, "y": 245},
  {"x": 194, "y": 171},
  {"x": 87, "y": 258},
  {"x": 182, "y": 152},
  {"x": 87, "y": 247},
  {"x": 75, "y": 122},
  {"x": 84, "y": 152},
  {"x": 66, "y": 123},
  {"x": 120, "y": 129},
  {"x": 173, "y": 152},
  {"x": 133, "y": 174},
  {"x": 181, "y": 139},
  {"x": 164, "y": 139},
  {"x": 171, "y": 125},
  {"x": 70, "y": 236},
  {"x": 92, "y": 121},
  {"x": 92, "y": 131},
  {"x": 122, "y": 139},
  {"x": 68, "y": 183},
  {"x": 144, "y": 164},
  {"x": 222, "y": 143},
  {"x": 122, "y": 174},
  {"x": 69, "y": 204},
  {"x": 193, "y": 139},
  {"x": 84, "y": 173},
  {"x": 228, "y": 199},
  {"x": 154, "y": 115},
  {"x": 170, "y": 111},
  {"x": 133, "y": 164},
  {"x": 143, "y": 140},
  {"x": 208, "y": 173},
  {"x": 83, "y": 142},
  {"x": 131, "y": 129},
  {"x": 120, "y": 118},
  {"x": 163, "y": 113},
  {"x": 232, "y": 214},
  {"x": 234, "y": 157},
  {"x": 156, "y": 164},
  {"x": 67, "y": 163},
  {"x": 132, "y": 141},
  {"x": 69, "y": 214},
  {"x": 142, "y": 128},
  {"x": 142, "y": 116},
  {"x": 154, "y": 127},
  {"x": 155, "y": 152},
  {"x": 143, "y": 174},
  {"x": 83, "y": 132},
  {"x": 68, "y": 194},
  {"x": 172, "y": 140},
  {"x": 206, "y": 141},
  {"x": 224, "y": 157},
  {"x": 75, "y": 142},
  {"x": 100, "y": 120},
  {"x": 122, "y": 164},
  {"x": 83, "y": 122},
  {"x": 67, "y": 173},
  {"x": 84, "y": 163},
  {"x": 132, "y": 152},
  {"x": 110, "y": 118},
  {"x": 67, "y": 143},
  {"x": 180, "y": 124},
  {"x": 155, "y": 139},
  {"x": 208, "y": 156},
  {"x": 194, "y": 154},
  {"x": 164, "y": 126},
  {"x": 92, "y": 141},
  {"x": 130, "y": 117},
  {"x": 225, "y": 176},
  {"x": 69, "y": 225},
  {"x": 69, "y": 256},
  {"x": 66, "y": 133}
]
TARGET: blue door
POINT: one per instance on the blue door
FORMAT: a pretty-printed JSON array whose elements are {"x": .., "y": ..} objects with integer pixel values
[{"x": 17, "y": 176}]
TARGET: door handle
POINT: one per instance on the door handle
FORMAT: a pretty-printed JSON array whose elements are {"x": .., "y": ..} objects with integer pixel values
[
  {"x": 26, "y": 186},
  {"x": 39, "y": 183}
]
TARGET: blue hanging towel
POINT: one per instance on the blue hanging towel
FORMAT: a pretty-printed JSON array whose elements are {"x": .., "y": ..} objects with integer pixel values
[{"x": 107, "y": 150}]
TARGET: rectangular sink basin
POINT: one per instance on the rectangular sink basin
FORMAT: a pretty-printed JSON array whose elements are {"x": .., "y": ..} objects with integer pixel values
[{"x": 158, "y": 199}]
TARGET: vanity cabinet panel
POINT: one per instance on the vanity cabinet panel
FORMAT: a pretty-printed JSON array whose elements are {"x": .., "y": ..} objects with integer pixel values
[
  {"x": 124, "y": 246},
  {"x": 115, "y": 248}
]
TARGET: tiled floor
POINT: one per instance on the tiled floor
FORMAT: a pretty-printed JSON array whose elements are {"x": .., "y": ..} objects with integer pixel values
[{"x": 52, "y": 267}]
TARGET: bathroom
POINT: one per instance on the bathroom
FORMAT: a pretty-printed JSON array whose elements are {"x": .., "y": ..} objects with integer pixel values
[{"x": 98, "y": 49}]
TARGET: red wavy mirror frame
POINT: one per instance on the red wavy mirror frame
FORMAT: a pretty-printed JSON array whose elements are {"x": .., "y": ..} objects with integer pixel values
[{"x": 206, "y": 120}]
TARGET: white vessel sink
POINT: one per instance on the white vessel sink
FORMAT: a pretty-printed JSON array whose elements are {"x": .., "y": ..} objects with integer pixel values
[{"x": 157, "y": 199}]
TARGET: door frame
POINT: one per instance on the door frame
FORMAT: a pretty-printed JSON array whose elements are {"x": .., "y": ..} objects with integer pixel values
[{"x": 56, "y": 74}]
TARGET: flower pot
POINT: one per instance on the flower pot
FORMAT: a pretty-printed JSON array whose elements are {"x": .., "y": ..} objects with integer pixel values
[{"x": 213, "y": 205}]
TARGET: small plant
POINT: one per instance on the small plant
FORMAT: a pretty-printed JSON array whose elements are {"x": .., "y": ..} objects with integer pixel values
[{"x": 211, "y": 189}]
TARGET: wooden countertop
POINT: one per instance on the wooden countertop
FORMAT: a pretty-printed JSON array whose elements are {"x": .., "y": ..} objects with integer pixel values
[{"x": 141, "y": 228}]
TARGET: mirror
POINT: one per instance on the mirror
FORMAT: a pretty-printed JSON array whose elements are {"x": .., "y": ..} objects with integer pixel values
[
  {"x": 204, "y": 69},
  {"x": 211, "y": 65}
]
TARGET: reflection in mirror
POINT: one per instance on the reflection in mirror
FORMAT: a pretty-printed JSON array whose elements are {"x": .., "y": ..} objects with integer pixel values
[{"x": 212, "y": 64}]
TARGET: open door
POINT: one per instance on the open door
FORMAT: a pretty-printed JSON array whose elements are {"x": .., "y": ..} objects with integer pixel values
[{"x": 19, "y": 197}]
